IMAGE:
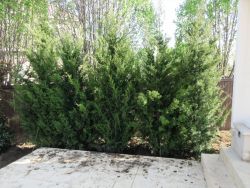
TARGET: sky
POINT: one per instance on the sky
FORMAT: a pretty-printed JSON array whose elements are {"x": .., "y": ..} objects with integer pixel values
[{"x": 167, "y": 10}]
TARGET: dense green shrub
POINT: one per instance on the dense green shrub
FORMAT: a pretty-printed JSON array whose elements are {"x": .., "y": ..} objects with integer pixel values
[
  {"x": 114, "y": 81},
  {"x": 181, "y": 102},
  {"x": 5, "y": 136},
  {"x": 155, "y": 96},
  {"x": 52, "y": 102},
  {"x": 196, "y": 110},
  {"x": 167, "y": 96},
  {"x": 70, "y": 103}
]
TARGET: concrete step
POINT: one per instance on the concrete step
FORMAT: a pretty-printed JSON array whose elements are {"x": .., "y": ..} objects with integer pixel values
[
  {"x": 238, "y": 169},
  {"x": 215, "y": 172}
]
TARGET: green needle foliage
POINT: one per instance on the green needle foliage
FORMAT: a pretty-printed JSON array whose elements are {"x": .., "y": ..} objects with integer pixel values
[
  {"x": 51, "y": 101},
  {"x": 113, "y": 80},
  {"x": 168, "y": 97},
  {"x": 181, "y": 105},
  {"x": 196, "y": 110},
  {"x": 155, "y": 96}
]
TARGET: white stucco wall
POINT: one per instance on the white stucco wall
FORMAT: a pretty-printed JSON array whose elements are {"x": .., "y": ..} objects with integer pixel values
[{"x": 241, "y": 94}]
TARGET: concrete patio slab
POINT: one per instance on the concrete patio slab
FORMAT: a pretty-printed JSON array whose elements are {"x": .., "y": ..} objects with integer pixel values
[
  {"x": 49, "y": 167},
  {"x": 239, "y": 169},
  {"x": 215, "y": 172}
]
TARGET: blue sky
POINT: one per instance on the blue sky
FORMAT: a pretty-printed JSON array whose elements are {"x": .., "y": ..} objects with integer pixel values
[{"x": 167, "y": 10}]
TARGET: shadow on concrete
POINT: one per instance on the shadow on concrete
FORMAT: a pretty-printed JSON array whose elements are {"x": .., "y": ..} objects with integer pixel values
[{"x": 13, "y": 154}]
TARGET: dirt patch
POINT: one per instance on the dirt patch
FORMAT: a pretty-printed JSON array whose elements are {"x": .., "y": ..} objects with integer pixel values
[{"x": 222, "y": 140}]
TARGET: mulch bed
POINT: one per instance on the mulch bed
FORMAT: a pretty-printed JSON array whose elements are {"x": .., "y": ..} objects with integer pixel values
[{"x": 222, "y": 140}]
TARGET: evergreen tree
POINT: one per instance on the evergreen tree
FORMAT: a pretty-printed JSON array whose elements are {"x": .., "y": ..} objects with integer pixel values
[
  {"x": 155, "y": 96},
  {"x": 51, "y": 100},
  {"x": 181, "y": 106},
  {"x": 114, "y": 78},
  {"x": 196, "y": 111}
]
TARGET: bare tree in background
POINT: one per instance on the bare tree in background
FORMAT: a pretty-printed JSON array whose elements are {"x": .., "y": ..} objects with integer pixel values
[
  {"x": 15, "y": 19},
  {"x": 84, "y": 20},
  {"x": 224, "y": 19}
]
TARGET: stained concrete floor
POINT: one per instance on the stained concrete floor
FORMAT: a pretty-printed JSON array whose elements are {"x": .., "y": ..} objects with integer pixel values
[{"x": 49, "y": 167}]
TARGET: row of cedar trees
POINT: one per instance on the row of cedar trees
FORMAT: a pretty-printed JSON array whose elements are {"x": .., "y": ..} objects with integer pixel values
[
  {"x": 121, "y": 82},
  {"x": 166, "y": 97}
]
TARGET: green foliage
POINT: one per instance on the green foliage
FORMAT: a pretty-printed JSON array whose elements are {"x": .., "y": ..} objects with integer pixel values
[
  {"x": 155, "y": 96},
  {"x": 68, "y": 103},
  {"x": 222, "y": 15},
  {"x": 180, "y": 103},
  {"x": 51, "y": 102},
  {"x": 196, "y": 110},
  {"x": 5, "y": 136},
  {"x": 23, "y": 10},
  {"x": 17, "y": 19},
  {"x": 113, "y": 80},
  {"x": 168, "y": 97},
  {"x": 189, "y": 12}
]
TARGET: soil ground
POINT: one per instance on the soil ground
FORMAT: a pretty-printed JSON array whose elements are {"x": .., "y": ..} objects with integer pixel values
[{"x": 223, "y": 139}]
